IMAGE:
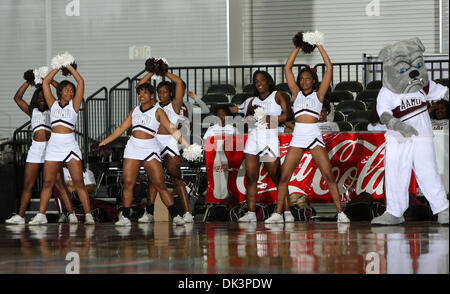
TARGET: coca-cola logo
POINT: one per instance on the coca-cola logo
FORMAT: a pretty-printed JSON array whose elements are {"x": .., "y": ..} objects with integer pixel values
[{"x": 357, "y": 164}]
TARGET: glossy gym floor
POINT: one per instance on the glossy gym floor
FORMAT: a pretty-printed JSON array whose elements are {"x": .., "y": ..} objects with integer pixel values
[{"x": 225, "y": 247}]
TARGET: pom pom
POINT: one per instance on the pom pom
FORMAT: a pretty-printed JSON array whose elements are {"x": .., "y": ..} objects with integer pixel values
[
  {"x": 260, "y": 117},
  {"x": 39, "y": 74},
  {"x": 29, "y": 77},
  {"x": 102, "y": 151},
  {"x": 300, "y": 42},
  {"x": 158, "y": 66},
  {"x": 65, "y": 72},
  {"x": 193, "y": 152},
  {"x": 62, "y": 60},
  {"x": 313, "y": 38}
]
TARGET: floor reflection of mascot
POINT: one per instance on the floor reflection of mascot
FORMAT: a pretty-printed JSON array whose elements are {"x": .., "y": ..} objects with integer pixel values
[{"x": 401, "y": 105}]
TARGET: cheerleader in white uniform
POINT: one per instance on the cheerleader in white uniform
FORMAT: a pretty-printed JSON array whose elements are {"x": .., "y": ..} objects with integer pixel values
[
  {"x": 143, "y": 147},
  {"x": 62, "y": 146},
  {"x": 307, "y": 106},
  {"x": 169, "y": 145},
  {"x": 41, "y": 127},
  {"x": 262, "y": 144}
]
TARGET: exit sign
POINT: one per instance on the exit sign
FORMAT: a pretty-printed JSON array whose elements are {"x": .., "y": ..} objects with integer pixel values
[{"x": 139, "y": 52}]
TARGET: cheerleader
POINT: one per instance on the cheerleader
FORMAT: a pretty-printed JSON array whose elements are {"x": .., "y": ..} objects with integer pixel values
[
  {"x": 39, "y": 114},
  {"x": 143, "y": 147},
  {"x": 62, "y": 146},
  {"x": 169, "y": 146},
  {"x": 262, "y": 143},
  {"x": 307, "y": 106}
]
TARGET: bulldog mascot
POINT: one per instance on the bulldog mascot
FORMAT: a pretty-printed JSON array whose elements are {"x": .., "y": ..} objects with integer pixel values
[{"x": 401, "y": 105}]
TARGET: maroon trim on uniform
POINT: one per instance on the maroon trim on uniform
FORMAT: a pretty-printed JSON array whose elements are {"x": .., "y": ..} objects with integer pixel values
[
  {"x": 168, "y": 150},
  {"x": 398, "y": 113},
  {"x": 59, "y": 103},
  {"x": 415, "y": 114},
  {"x": 140, "y": 108},
  {"x": 307, "y": 110},
  {"x": 141, "y": 126},
  {"x": 315, "y": 140},
  {"x": 268, "y": 149},
  {"x": 63, "y": 121},
  {"x": 71, "y": 152},
  {"x": 45, "y": 126},
  {"x": 153, "y": 153}
]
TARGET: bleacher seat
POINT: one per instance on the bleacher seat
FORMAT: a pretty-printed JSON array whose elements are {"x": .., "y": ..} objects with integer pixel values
[
  {"x": 338, "y": 116},
  {"x": 352, "y": 86},
  {"x": 344, "y": 126},
  {"x": 338, "y": 96},
  {"x": 248, "y": 88},
  {"x": 226, "y": 89},
  {"x": 211, "y": 99},
  {"x": 359, "y": 115},
  {"x": 374, "y": 85},
  {"x": 351, "y": 105},
  {"x": 442, "y": 82},
  {"x": 240, "y": 97},
  {"x": 361, "y": 126},
  {"x": 367, "y": 96}
]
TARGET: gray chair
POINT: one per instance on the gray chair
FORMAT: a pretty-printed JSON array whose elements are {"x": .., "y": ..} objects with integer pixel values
[
  {"x": 359, "y": 115},
  {"x": 349, "y": 106},
  {"x": 344, "y": 126},
  {"x": 226, "y": 89},
  {"x": 338, "y": 116},
  {"x": 374, "y": 85},
  {"x": 338, "y": 96},
  {"x": 361, "y": 126},
  {"x": 211, "y": 99},
  {"x": 352, "y": 86},
  {"x": 368, "y": 95}
]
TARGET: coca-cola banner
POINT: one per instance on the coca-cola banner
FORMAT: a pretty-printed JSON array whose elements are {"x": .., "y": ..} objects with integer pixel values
[{"x": 357, "y": 160}]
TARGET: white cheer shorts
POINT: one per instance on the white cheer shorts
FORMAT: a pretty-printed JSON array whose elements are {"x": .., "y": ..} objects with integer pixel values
[
  {"x": 63, "y": 148},
  {"x": 263, "y": 142},
  {"x": 36, "y": 153},
  {"x": 142, "y": 149},
  {"x": 168, "y": 145},
  {"x": 306, "y": 136}
]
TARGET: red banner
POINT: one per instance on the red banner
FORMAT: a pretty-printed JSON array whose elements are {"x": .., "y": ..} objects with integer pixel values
[{"x": 357, "y": 161}]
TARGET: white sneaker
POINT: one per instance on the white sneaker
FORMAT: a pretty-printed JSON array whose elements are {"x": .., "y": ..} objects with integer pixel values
[
  {"x": 342, "y": 218},
  {"x": 62, "y": 218},
  {"x": 38, "y": 219},
  {"x": 178, "y": 220},
  {"x": 145, "y": 218},
  {"x": 15, "y": 220},
  {"x": 188, "y": 217},
  {"x": 275, "y": 218},
  {"x": 247, "y": 218},
  {"x": 123, "y": 221},
  {"x": 288, "y": 217},
  {"x": 73, "y": 218},
  {"x": 88, "y": 219}
]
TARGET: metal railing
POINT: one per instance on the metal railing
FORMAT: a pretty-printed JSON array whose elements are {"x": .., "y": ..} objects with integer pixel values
[{"x": 96, "y": 113}]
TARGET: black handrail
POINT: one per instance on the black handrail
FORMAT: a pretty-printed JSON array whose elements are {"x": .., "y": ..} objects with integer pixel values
[{"x": 111, "y": 91}]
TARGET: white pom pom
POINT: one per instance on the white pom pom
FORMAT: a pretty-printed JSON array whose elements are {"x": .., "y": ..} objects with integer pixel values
[
  {"x": 314, "y": 38},
  {"x": 39, "y": 74},
  {"x": 193, "y": 152},
  {"x": 61, "y": 60},
  {"x": 260, "y": 117}
]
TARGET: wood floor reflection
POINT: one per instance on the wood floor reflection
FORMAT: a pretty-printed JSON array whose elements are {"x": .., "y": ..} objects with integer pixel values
[{"x": 203, "y": 248}]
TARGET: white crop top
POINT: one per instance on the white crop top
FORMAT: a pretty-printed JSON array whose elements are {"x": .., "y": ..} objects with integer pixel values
[
  {"x": 171, "y": 114},
  {"x": 40, "y": 120},
  {"x": 145, "y": 121},
  {"x": 63, "y": 116},
  {"x": 269, "y": 104},
  {"x": 308, "y": 104}
]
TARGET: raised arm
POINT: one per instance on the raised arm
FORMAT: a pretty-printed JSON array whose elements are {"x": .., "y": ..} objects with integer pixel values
[
  {"x": 55, "y": 84},
  {"x": 326, "y": 80},
  {"x": 290, "y": 79},
  {"x": 126, "y": 124},
  {"x": 49, "y": 98},
  {"x": 199, "y": 102},
  {"x": 80, "y": 88},
  {"x": 20, "y": 102},
  {"x": 161, "y": 116},
  {"x": 145, "y": 79},
  {"x": 177, "y": 102}
]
